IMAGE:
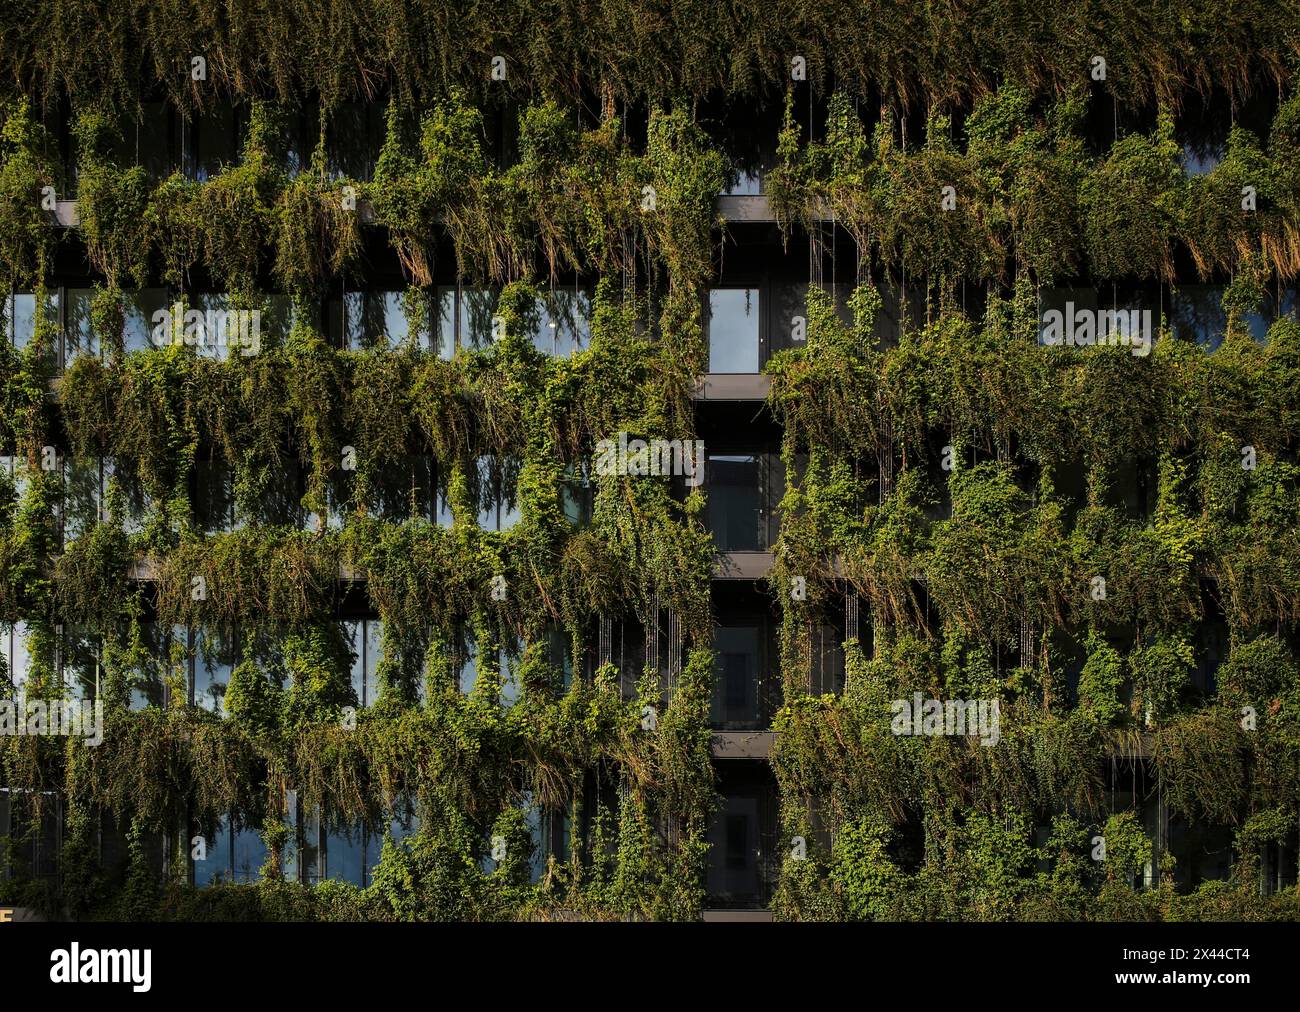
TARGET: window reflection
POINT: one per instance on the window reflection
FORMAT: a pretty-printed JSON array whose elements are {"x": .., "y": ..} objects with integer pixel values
[
  {"x": 79, "y": 657},
  {"x": 79, "y": 337},
  {"x": 735, "y": 502},
  {"x": 213, "y": 866},
  {"x": 215, "y": 657},
  {"x": 733, "y": 330},
  {"x": 20, "y": 317},
  {"x": 360, "y": 320},
  {"x": 498, "y": 481},
  {"x": 563, "y": 322},
  {"x": 139, "y": 309},
  {"x": 210, "y": 141},
  {"x": 17, "y": 655},
  {"x": 464, "y": 319}
]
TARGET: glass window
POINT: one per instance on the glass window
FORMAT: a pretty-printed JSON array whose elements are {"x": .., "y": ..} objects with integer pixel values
[
  {"x": 17, "y": 656},
  {"x": 735, "y": 694},
  {"x": 563, "y": 322},
  {"x": 359, "y": 320},
  {"x": 145, "y": 141},
  {"x": 214, "y": 660},
  {"x": 733, "y": 330},
  {"x": 248, "y": 855},
  {"x": 15, "y": 469},
  {"x": 401, "y": 826},
  {"x": 311, "y": 851},
  {"x": 559, "y": 654},
  {"x": 464, "y": 319},
  {"x": 356, "y": 135},
  {"x": 210, "y": 141},
  {"x": 508, "y": 659},
  {"x": 214, "y": 865},
  {"x": 20, "y": 316},
  {"x": 135, "y": 500},
  {"x": 79, "y": 337},
  {"x": 374, "y": 642},
  {"x": 79, "y": 651},
  {"x": 745, "y": 183},
  {"x": 83, "y": 497},
  {"x": 444, "y": 329},
  {"x": 468, "y": 653},
  {"x": 735, "y": 501},
  {"x": 548, "y": 836},
  {"x": 213, "y": 339},
  {"x": 497, "y": 484},
  {"x": 214, "y": 497},
  {"x": 154, "y": 661},
  {"x": 139, "y": 312},
  {"x": 477, "y": 308},
  {"x": 407, "y": 488},
  {"x": 827, "y": 649},
  {"x": 1200, "y": 159},
  {"x": 1064, "y": 301},
  {"x": 354, "y": 631},
  {"x": 345, "y": 854},
  {"x": 576, "y": 496}
]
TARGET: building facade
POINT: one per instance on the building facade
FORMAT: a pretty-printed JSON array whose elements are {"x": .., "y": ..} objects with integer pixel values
[{"x": 938, "y": 563}]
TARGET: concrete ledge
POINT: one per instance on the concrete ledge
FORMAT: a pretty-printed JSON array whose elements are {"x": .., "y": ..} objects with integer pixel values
[
  {"x": 725, "y": 386},
  {"x": 737, "y": 917},
  {"x": 742, "y": 744},
  {"x": 756, "y": 209},
  {"x": 743, "y": 565},
  {"x": 747, "y": 208}
]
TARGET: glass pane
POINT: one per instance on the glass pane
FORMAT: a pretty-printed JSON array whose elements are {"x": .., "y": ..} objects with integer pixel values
[
  {"x": 214, "y": 660},
  {"x": 734, "y": 502},
  {"x": 445, "y": 322},
  {"x": 746, "y": 183},
  {"x": 735, "y": 694},
  {"x": 564, "y": 322},
  {"x": 468, "y": 665},
  {"x": 374, "y": 655},
  {"x": 141, "y": 312},
  {"x": 383, "y": 320},
  {"x": 144, "y": 140},
  {"x": 353, "y": 634},
  {"x": 80, "y": 663},
  {"x": 21, "y": 316},
  {"x": 827, "y": 660},
  {"x": 17, "y": 656},
  {"x": 733, "y": 330},
  {"x": 509, "y": 666},
  {"x": 211, "y": 141},
  {"x": 78, "y": 336},
  {"x": 345, "y": 854},
  {"x": 1197, "y": 314},
  {"x": 214, "y": 497},
  {"x": 136, "y": 501},
  {"x": 477, "y": 307},
  {"x": 310, "y": 854},
  {"x": 82, "y": 497},
  {"x": 147, "y": 678},
  {"x": 213, "y": 866},
  {"x": 250, "y": 855}
]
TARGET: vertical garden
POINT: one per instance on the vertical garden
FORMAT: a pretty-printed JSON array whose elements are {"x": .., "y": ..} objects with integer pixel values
[{"x": 963, "y": 483}]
